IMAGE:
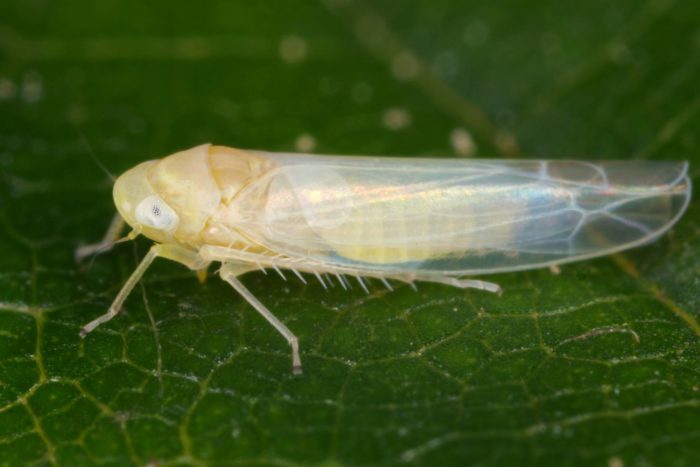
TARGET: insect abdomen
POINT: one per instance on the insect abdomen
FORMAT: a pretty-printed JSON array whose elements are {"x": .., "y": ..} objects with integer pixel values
[{"x": 420, "y": 227}]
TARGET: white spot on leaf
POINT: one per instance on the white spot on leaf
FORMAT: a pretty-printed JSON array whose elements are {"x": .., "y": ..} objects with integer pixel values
[
  {"x": 32, "y": 88},
  {"x": 404, "y": 66},
  {"x": 462, "y": 142},
  {"x": 292, "y": 49},
  {"x": 8, "y": 89},
  {"x": 305, "y": 143},
  {"x": 396, "y": 118}
]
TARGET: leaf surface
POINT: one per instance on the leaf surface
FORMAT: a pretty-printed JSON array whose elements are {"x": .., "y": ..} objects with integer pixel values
[{"x": 598, "y": 365}]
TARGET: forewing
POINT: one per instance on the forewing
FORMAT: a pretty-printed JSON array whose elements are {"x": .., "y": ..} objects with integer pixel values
[{"x": 456, "y": 217}]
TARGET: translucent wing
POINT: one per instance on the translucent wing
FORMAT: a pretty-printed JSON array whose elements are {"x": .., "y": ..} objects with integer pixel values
[{"x": 457, "y": 217}]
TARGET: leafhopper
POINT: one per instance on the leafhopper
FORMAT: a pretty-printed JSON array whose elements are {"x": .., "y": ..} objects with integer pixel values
[{"x": 358, "y": 217}]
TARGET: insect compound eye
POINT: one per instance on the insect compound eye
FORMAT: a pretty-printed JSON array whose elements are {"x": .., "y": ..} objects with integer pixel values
[{"x": 154, "y": 212}]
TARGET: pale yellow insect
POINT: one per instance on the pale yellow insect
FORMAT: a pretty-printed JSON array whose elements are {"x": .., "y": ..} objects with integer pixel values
[{"x": 387, "y": 218}]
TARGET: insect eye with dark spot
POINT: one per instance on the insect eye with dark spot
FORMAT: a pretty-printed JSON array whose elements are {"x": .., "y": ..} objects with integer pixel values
[{"x": 155, "y": 213}]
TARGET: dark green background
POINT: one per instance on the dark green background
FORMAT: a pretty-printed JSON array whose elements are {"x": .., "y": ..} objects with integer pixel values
[{"x": 596, "y": 366}]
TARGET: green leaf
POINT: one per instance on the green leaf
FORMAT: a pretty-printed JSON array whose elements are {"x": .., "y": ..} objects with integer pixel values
[{"x": 599, "y": 365}]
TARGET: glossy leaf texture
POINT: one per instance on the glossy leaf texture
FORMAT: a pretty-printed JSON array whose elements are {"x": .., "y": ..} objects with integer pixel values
[{"x": 596, "y": 365}]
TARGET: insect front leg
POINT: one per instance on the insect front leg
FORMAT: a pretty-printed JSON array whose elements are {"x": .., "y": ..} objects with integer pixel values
[
  {"x": 107, "y": 242},
  {"x": 189, "y": 258},
  {"x": 230, "y": 272}
]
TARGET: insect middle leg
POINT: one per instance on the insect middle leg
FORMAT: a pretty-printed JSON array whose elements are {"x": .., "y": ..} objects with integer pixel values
[
  {"x": 189, "y": 258},
  {"x": 230, "y": 272}
]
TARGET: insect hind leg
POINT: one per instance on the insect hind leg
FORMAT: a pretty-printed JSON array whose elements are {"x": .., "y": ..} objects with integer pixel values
[
  {"x": 230, "y": 272},
  {"x": 448, "y": 280},
  {"x": 469, "y": 284}
]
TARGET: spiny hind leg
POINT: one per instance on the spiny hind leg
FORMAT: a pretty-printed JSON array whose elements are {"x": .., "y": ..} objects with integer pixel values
[
  {"x": 466, "y": 283},
  {"x": 230, "y": 272},
  {"x": 447, "y": 280},
  {"x": 189, "y": 258}
]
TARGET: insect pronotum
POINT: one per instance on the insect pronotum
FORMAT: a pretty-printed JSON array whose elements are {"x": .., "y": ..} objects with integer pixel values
[{"x": 435, "y": 220}]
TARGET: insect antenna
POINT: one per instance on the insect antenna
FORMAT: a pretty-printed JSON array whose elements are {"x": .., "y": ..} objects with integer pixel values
[{"x": 93, "y": 156}]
